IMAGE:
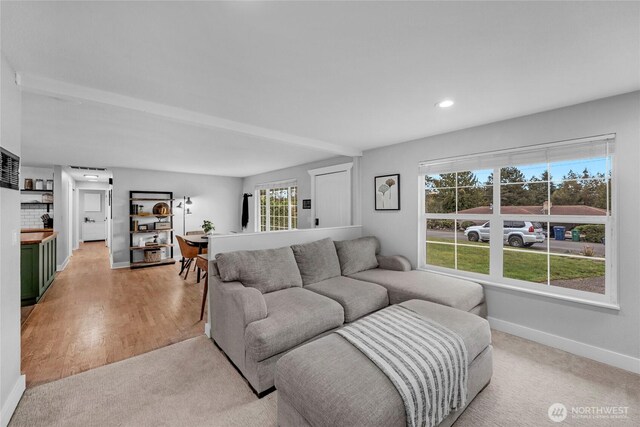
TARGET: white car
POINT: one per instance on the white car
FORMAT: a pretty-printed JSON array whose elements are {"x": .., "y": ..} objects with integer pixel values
[{"x": 516, "y": 233}]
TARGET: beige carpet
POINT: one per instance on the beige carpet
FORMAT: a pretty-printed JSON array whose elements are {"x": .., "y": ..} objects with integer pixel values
[
  {"x": 192, "y": 384},
  {"x": 185, "y": 384},
  {"x": 529, "y": 377}
]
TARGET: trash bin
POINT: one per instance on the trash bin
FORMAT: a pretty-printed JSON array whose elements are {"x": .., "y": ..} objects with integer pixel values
[
  {"x": 575, "y": 235},
  {"x": 558, "y": 232}
]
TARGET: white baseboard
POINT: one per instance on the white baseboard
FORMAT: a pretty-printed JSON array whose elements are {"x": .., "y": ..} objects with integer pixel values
[
  {"x": 116, "y": 265},
  {"x": 589, "y": 351},
  {"x": 9, "y": 407},
  {"x": 64, "y": 264},
  {"x": 207, "y": 329}
]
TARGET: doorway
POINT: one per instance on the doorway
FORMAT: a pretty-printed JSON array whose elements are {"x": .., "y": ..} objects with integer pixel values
[
  {"x": 103, "y": 314},
  {"x": 331, "y": 196},
  {"x": 92, "y": 209}
]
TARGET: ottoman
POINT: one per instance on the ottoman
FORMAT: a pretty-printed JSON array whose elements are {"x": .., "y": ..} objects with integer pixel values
[{"x": 328, "y": 382}]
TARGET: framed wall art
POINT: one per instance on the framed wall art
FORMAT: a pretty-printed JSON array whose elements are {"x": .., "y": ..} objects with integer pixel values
[{"x": 387, "y": 192}]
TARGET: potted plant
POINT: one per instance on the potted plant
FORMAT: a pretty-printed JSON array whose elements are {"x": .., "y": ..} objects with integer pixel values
[{"x": 208, "y": 227}]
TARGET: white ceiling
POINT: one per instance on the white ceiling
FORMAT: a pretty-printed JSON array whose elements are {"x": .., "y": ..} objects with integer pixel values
[
  {"x": 352, "y": 75},
  {"x": 98, "y": 135},
  {"x": 79, "y": 174}
]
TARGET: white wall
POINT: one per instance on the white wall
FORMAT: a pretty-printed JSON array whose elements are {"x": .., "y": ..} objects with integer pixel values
[
  {"x": 615, "y": 331},
  {"x": 35, "y": 172},
  {"x": 63, "y": 185},
  {"x": 12, "y": 384},
  {"x": 216, "y": 198},
  {"x": 299, "y": 173},
  {"x": 88, "y": 185}
]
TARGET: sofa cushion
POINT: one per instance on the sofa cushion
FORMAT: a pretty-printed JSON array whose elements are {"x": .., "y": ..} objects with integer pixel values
[
  {"x": 317, "y": 261},
  {"x": 394, "y": 262},
  {"x": 405, "y": 285},
  {"x": 294, "y": 316},
  {"x": 357, "y": 254},
  {"x": 358, "y": 298},
  {"x": 267, "y": 270}
]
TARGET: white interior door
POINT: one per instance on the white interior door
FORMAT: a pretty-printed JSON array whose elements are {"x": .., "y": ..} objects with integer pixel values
[{"x": 333, "y": 199}]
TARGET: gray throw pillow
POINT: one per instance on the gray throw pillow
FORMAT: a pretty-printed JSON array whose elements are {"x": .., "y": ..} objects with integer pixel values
[
  {"x": 317, "y": 261},
  {"x": 358, "y": 254},
  {"x": 267, "y": 270}
]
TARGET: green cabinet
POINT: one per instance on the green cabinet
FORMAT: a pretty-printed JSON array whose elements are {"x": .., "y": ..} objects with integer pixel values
[
  {"x": 29, "y": 272},
  {"x": 37, "y": 269}
]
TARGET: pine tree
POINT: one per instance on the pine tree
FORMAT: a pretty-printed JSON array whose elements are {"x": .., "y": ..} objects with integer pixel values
[
  {"x": 569, "y": 191},
  {"x": 593, "y": 190},
  {"x": 538, "y": 188},
  {"x": 441, "y": 193},
  {"x": 443, "y": 189},
  {"x": 513, "y": 191}
]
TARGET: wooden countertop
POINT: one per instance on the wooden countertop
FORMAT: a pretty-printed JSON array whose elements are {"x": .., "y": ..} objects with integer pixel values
[
  {"x": 35, "y": 230},
  {"x": 31, "y": 237}
]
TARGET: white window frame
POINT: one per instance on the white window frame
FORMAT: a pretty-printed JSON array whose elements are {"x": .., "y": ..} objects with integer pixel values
[
  {"x": 290, "y": 183},
  {"x": 494, "y": 278}
]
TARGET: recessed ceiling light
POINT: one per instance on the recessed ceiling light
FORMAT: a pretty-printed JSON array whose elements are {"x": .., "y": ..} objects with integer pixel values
[
  {"x": 91, "y": 176},
  {"x": 445, "y": 103}
]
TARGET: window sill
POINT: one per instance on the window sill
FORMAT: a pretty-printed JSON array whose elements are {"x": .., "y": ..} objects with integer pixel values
[{"x": 602, "y": 304}]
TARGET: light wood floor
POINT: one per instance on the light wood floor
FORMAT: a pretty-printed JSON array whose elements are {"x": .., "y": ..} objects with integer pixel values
[{"x": 92, "y": 315}]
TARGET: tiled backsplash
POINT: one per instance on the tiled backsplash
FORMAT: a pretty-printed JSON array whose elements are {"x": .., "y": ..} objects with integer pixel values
[{"x": 30, "y": 216}]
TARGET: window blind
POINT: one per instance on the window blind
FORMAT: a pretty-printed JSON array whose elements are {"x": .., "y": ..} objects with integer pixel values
[
  {"x": 591, "y": 147},
  {"x": 277, "y": 184}
]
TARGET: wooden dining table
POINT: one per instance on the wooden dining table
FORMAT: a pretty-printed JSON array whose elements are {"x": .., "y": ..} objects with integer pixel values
[{"x": 199, "y": 240}]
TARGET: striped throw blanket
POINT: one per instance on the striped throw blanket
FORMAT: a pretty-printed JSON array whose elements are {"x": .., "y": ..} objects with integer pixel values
[{"x": 426, "y": 362}]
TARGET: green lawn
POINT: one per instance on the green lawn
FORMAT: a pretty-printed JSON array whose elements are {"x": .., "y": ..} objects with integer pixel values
[{"x": 529, "y": 266}]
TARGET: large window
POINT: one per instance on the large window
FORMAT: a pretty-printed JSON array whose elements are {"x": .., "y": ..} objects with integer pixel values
[
  {"x": 546, "y": 225},
  {"x": 277, "y": 206}
]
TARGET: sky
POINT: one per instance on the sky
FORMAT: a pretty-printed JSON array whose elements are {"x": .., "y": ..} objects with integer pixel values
[{"x": 557, "y": 169}]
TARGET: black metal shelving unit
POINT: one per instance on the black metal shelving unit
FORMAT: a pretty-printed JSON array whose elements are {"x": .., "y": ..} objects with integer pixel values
[
  {"x": 150, "y": 198},
  {"x": 47, "y": 204}
]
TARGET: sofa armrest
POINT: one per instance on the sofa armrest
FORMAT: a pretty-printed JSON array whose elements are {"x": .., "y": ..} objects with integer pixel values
[
  {"x": 393, "y": 262},
  {"x": 250, "y": 303},
  {"x": 213, "y": 268},
  {"x": 233, "y": 307}
]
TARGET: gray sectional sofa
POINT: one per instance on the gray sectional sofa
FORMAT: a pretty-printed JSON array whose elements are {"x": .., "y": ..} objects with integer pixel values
[{"x": 267, "y": 302}]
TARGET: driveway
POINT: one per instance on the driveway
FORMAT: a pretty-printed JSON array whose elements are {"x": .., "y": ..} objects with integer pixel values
[{"x": 557, "y": 246}]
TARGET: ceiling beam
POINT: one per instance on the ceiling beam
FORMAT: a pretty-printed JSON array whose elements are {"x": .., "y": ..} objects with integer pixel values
[{"x": 63, "y": 90}]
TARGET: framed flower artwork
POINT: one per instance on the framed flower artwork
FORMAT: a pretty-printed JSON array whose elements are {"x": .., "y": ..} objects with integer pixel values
[{"x": 387, "y": 191}]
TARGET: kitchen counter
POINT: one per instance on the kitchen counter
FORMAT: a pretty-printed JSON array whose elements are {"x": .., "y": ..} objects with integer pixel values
[{"x": 33, "y": 237}]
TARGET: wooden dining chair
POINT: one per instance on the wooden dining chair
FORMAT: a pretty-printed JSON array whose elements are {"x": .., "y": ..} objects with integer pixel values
[
  {"x": 189, "y": 253},
  {"x": 203, "y": 264}
]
